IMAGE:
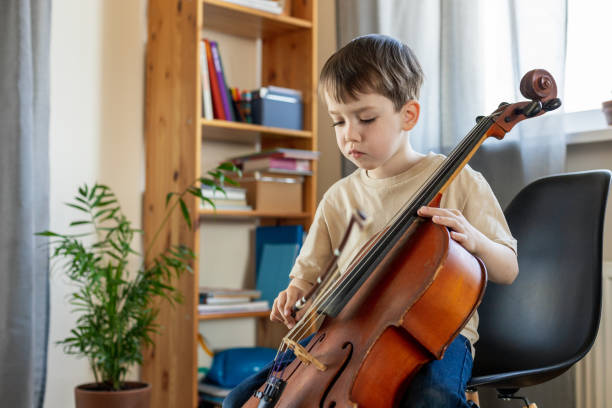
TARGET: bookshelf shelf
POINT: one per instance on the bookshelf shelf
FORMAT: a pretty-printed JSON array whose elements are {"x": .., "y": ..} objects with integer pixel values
[
  {"x": 216, "y": 129},
  {"x": 258, "y": 214},
  {"x": 244, "y": 21},
  {"x": 217, "y": 316}
]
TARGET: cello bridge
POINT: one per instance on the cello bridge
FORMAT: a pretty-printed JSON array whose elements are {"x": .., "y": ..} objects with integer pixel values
[{"x": 304, "y": 356}]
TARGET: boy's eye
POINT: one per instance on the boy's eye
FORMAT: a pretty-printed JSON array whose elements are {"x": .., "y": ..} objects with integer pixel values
[
  {"x": 367, "y": 120},
  {"x": 337, "y": 123}
]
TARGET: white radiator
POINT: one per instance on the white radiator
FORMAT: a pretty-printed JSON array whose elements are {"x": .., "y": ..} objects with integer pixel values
[{"x": 594, "y": 372}]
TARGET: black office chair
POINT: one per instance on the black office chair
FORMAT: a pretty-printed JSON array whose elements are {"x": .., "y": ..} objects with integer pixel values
[{"x": 538, "y": 327}]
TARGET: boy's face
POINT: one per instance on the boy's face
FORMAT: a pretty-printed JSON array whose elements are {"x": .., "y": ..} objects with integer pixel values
[{"x": 371, "y": 134}]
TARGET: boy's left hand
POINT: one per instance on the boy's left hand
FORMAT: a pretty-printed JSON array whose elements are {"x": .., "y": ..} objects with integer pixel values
[{"x": 461, "y": 230}]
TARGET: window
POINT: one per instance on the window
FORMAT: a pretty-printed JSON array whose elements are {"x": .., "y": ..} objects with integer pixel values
[{"x": 588, "y": 69}]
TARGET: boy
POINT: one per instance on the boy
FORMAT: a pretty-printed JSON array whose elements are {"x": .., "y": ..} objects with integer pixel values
[{"x": 371, "y": 87}]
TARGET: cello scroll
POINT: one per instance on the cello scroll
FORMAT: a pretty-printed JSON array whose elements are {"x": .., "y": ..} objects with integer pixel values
[{"x": 537, "y": 85}]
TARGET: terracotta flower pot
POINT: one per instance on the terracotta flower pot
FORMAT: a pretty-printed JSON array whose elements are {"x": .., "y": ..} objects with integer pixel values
[
  {"x": 606, "y": 107},
  {"x": 137, "y": 395}
]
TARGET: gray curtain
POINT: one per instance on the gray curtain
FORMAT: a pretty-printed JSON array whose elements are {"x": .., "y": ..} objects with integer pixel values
[
  {"x": 24, "y": 200},
  {"x": 470, "y": 50}
]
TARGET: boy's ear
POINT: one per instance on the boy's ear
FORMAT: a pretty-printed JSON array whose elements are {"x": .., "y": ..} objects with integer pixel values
[{"x": 410, "y": 114}]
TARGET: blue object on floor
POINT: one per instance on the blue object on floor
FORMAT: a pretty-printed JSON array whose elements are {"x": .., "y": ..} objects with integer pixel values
[{"x": 230, "y": 367}]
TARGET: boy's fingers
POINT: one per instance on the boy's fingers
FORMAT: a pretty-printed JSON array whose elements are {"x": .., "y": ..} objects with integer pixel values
[
  {"x": 448, "y": 222},
  {"x": 277, "y": 308},
  {"x": 439, "y": 211},
  {"x": 275, "y": 315},
  {"x": 429, "y": 211},
  {"x": 288, "y": 304},
  {"x": 292, "y": 299},
  {"x": 459, "y": 237}
]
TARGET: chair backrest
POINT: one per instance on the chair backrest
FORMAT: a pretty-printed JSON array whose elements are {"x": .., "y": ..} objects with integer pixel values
[{"x": 548, "y": 318}]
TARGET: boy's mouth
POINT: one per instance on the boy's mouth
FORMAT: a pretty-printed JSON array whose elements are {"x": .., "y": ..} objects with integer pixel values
[{"x": 355, "y": 153}]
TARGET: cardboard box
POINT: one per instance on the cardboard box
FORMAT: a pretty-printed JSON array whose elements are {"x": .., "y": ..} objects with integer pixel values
[{"x": 274, "y": 192}]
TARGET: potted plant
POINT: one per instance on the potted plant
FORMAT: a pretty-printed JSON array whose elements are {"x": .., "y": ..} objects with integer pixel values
[{"x": 115, "y": 302}]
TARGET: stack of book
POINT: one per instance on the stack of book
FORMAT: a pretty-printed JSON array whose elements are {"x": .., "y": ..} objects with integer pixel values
[
  {"x": 279, "y": 160},
  {"x": 271, "y": 6},
  {"x": 234, "y": 199},
  {"x": 224, "y": 300},
  {"x": 219, "y": 100}
]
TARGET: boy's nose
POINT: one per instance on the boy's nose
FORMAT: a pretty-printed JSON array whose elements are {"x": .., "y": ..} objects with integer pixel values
[{"x": 351, "y": 135}]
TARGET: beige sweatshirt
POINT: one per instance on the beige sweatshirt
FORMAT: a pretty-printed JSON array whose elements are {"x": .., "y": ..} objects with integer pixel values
[{"x": 380, "y": 200}]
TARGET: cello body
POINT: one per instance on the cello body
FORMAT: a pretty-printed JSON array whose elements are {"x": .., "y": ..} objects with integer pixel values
[{"x": 432, "y": 286}]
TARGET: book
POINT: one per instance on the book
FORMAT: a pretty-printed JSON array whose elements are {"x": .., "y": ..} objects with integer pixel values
[
  {"x": 225, "y": 204},
  {"x": 245, "y": 106},
  {"x": 238, "y": 114},
  {"x": 253, "y": 306},
  {"x": 214, "y": 48},
  {"x": 228, "y": 207},
  {"x": 276, "y": 163},
  {"x": 279, "y": 176},
  {"x": 231, "y": 193},
  {"x": 276, "y": 249},
  {"x": 223, "y": 300},
  {"x": 214, "y": 86},
  {"x": 278, "y": 152},
  {"x": 222, "y": 201},
  {"x": 271, "y": 6},
  {"x": 229, "y": 292},
  {"x": 207, "y": 107},
  {"x": 275, "y": 173}
]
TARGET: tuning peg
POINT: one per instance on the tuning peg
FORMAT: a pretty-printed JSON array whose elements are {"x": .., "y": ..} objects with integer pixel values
[
  {"x": 479, "y": 118},
  {"x": 552, "y": 104},
  {"x": 532, "y": 109}
]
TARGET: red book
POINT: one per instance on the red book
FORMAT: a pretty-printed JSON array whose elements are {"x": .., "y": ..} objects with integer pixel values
[
  {"x": 227, "y": 109},
  {"x": 214, "y": 84}
]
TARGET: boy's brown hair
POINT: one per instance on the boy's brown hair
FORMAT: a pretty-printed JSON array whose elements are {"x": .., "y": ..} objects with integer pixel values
[{"x": 372, "y": 63}]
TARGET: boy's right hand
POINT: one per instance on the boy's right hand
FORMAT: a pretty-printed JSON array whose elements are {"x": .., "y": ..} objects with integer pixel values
[{"x": 281, "y": 310}]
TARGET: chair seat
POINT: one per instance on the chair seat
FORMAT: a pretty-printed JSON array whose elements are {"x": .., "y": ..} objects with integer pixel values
[{"x": 518, "y": 379}]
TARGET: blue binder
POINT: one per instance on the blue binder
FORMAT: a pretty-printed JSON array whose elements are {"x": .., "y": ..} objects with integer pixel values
[{"x": 276, "y": 249}]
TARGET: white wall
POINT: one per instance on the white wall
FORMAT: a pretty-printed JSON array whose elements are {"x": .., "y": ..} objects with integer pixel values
[{"x": 96, "y": 134}]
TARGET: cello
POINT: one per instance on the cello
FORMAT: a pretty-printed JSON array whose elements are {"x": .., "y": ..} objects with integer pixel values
[{"x": 404, "y": 297}]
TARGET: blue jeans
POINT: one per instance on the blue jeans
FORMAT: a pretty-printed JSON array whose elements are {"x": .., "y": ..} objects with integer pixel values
[{"x": 441, "y": 383}]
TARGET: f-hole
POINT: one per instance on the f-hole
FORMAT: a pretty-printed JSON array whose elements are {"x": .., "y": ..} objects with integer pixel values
[{"x": 332, "y": 404}]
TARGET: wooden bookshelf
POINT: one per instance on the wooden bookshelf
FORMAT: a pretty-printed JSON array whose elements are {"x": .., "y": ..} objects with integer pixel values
[{"x": 174, "y": 135}]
